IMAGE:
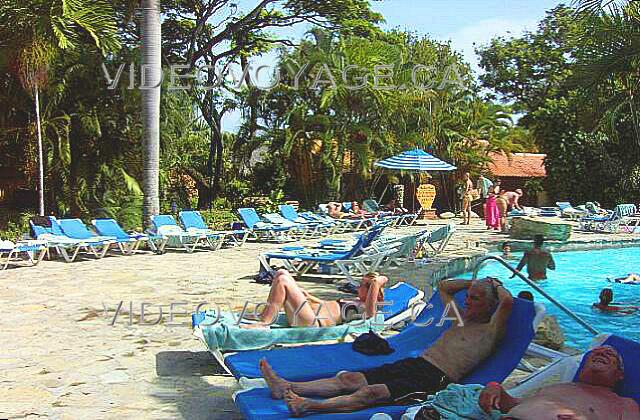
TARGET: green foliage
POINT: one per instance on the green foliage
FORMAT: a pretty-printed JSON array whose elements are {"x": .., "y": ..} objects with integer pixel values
[
  {"x": 219, "y": 219},
  {"x": 318, "y": 132},
  {"x": 266, "y": 203},
  {"x": 16, "y": 225},
  {"x": 576, "y": 81}
]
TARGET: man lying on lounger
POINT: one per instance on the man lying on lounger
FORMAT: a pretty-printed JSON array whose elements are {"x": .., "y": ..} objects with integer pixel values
[
  {"x": 456, "y": 353},
  {"x": 591, "y": 397}
]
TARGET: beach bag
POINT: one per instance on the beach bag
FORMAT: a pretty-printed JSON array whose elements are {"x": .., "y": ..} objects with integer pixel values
[{"x": 371, "y": 344}]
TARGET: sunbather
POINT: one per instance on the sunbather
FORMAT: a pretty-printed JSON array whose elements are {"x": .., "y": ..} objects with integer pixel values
[
  {"x": 591, "y": 397},
  {"x": 305, "y": 310},
  {"x": 606, "y": 303},
  {"x": 457, "y": 352},
  {"x": 359, "y": 211}
]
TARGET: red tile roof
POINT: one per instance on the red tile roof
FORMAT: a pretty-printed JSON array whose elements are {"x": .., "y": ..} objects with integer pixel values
[{"x": 521, "y": 165}]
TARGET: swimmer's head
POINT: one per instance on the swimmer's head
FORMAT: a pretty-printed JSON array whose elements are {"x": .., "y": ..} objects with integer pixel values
[{"x": 606, "y": 296}]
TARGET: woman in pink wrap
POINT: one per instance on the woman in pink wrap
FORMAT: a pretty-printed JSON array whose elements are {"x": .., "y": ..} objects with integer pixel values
[{"x": 491, "y": 212}]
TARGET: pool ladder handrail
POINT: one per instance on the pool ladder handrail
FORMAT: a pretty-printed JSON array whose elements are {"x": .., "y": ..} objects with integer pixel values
[{"x": 537, "y": 288}]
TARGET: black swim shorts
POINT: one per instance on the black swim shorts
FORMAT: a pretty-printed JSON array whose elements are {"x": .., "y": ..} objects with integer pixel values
[{"x": 408, "y": 379}]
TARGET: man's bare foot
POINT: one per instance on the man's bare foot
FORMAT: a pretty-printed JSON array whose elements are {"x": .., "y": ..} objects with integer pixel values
[
  {"x": 277, "y": 385},
  {"x": 297, "y": 405}
]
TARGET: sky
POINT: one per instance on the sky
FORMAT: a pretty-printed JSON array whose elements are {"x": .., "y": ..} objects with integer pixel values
[{"x": 465, "y": 23}]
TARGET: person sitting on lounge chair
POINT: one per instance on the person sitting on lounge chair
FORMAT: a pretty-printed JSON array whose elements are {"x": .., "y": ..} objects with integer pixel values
[
  {"x": 335, "y": 210},
  {"x": 305, "y": 310},
  {"x": 606, "y": 304},
  {"x": 456, "y": 353},
  {"x": 591, "y": 397},
  {"x": 359, "y": 211}
]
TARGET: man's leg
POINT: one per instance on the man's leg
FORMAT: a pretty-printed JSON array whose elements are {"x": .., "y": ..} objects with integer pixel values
[
  {"x": 367, "y": 396},
  {"x": 342, "y": 383}
]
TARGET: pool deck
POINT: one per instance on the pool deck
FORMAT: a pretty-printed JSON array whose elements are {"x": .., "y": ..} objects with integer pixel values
[{"x": 62, "y": 358}]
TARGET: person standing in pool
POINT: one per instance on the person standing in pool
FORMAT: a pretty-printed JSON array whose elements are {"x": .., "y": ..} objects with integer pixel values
[
  {"x": 537, "y": 260},
  {"x": 606, "y": 304}
]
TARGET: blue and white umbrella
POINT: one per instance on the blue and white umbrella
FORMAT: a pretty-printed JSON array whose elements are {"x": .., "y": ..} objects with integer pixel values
[{"x": 415, "y": 160}]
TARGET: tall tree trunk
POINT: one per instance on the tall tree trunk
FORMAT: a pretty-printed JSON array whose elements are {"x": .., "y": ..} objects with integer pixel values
[
  {"x": 215, "y": 186},
  {"x": 151, "y": 50},
  {"x": 40, "y": 157}
]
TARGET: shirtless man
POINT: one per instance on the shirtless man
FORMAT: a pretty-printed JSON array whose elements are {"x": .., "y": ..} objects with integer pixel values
[
  {"x": 537, "y": 260},
  {"x": 590, "y": 398},
  {"x": 467, "y": 198},
  {"x": 512, "y": 198},
  {"x": 456, "y": 353}
]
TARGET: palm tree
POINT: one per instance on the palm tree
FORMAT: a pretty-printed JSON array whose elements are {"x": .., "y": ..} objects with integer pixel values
[
  {"x": 36, "y": 31},
  {"x": 151, "y": 51},
  {"x": 598, "y": 5}
]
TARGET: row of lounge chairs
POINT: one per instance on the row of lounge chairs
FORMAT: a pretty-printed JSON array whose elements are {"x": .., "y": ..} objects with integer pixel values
[
  {"x": 370, "y": 252},
  {"x": 290, "y": 225},
  {"x": 72, "y": 237},
  {"x": 590, "y": 217}
]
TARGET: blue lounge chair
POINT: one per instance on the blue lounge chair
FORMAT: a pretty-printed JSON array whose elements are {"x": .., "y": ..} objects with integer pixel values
[
  {"x": 301, "y": 260},
  {"x": 76, "y": 229},
  {"x": 348, "y": 224},
  {"x": 68, "y": 247},
  {"x": 623, "y": 214},
  {"x": 566, "y": 369},
  {"x": 336, "y": 226},
  {"x": 221, "y": 334},
  {"x": 570, "y": 212},
  {"x": 436, "y": 241},
  {"x": 262, "y": 230},
  {"x": 128, "y": 243},
  {"x": 165, "y": 225},
  {"x": 316, "y": 227},
  {"x": 35, "y": 252},
  {"x": 193, "y": 222},
  {"x": 298, "y": 230},
  {"x": 322, "y": 361},
  {"x": 402, "y": 219}
]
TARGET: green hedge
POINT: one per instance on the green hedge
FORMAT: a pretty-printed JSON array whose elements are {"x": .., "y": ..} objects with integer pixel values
[
  {"x": 219, "y": 219},
  {"x": 14, "y": 225}
]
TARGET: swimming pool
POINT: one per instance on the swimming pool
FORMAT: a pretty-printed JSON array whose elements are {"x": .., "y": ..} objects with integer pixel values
[{"x": 576, "y": 282}]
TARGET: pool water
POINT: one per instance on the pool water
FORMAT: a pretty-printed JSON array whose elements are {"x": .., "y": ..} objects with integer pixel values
[{"x": 577, "y": 281}]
